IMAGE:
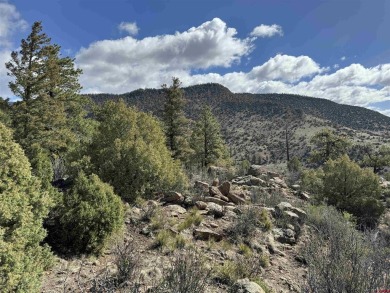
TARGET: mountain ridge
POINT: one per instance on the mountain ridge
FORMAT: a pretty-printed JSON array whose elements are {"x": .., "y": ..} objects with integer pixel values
[
  {"x": 268, "y": 104},
  {"x": 254, "y": 125}
]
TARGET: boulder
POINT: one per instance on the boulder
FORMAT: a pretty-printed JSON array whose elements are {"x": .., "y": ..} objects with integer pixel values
[
  {"x": 215, "y": 209},
  {"x": 256, "y": 170},
  {"x": 214, "y": 191},
  {"x": 272, "y": 174},
  {"x": 246, "y": 286},
  {"x": 175, "y": 210},
  {"x": 301, "y": 213},
  {"x": 293, "y": 217},
  {"x": 296, "y": 187},
  {"x": 234, "y": 197},
  {"x": 207, "y": 234},
  {"x": 201, "y": 185},
  {"x": 254, "y": 181},
  {"x": 216, "y": 200},
  {"x": 201, "y": 205},
  {"x": 224, "y": 188},
  {"x": 173, "y": 197},
  {"x": 304, "y": 196},
  {"x": 283, "y": 206},
  {"x": 280, "y": 182}
]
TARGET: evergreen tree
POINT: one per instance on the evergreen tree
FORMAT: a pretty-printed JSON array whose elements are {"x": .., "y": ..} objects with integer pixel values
[
  {"x": 128, "y": 151},
  {"x": 51, "y": 113},
  {"x": 375, "y": 158},
  {"x": 27, "y": 65},
  {"x": 23, "y": 205},
  {"x": 328, "y": 145},
  {"x": 353, "y": 189},
  {"x": 207, "y": 140},
  {"x": 175, "y": 122}
]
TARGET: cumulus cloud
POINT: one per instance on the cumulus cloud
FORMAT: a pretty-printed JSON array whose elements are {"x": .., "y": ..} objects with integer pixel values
[
  {"x": 266, "y": 31},
  {"x": 286, "y": 68},
  {"x": 118, "y": 66},
  {"x": 129, "y": 63},
  {"x": 129, "y": 27},
  {"x": 10, "y": 21}
]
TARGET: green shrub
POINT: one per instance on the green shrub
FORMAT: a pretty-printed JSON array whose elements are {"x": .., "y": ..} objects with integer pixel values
[
  {"x": 193, "y": 218},
  {"x": 91, "y": 213},
  {"x": 23, "y": 206},
  {"x": 343, "y": 184},
  {"x": 353, "y": 189},
  {"x": 129, "y": 152},
  {"x": 169, "y": 240}
]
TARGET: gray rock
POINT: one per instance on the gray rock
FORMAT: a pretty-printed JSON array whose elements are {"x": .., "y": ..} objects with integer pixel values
[
  {"x": 201, "y": 185},
  {"x": 201, "y": 205},
  {"x": 246, "y": 286},
  {"x": 215, "y": 209},
  {"x": 256, "y": 170},
  {"x": 236, "y": 198},
  {"x": 224, "y": 188},
  {"x": 173, "y": 197},
  {"x": 175, "y": 210},
  {"x": 206, "y": 234}
]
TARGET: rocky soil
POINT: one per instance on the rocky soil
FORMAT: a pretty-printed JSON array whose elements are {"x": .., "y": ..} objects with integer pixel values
[{"x": 204, "y": 220}]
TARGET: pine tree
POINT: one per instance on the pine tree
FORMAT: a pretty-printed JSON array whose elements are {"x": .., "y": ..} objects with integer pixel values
[
  {"x": 175, "y": 122},
  {"x": 27, "y": 66},
  {"x": 23, "y": 205},
  {"x": 328, "y": 145},
  {"x": 207, "y": 140},
  {"x": 51, "y": 112}
]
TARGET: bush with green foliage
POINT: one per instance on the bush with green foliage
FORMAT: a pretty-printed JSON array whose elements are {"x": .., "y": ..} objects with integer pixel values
[
  {"x": 342, "y": 259},
  {"x": 23, "y": 206},
  {"x": 91, "y": 213},
  {"x": 129, "y": 152},
  {"x": 343, "y": 184},
  {"x": 353, "y": 189}
]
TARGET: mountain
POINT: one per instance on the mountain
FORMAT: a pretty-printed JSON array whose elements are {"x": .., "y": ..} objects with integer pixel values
[{"x": 255, "y": 125}]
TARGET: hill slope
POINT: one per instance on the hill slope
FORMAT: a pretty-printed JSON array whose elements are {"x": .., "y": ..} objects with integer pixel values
[{"x": 254, "y": 125}]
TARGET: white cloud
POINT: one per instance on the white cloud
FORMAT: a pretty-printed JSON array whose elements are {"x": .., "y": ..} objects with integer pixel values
[
  {"x": 266, "y": 31},
  {"x": 10, "y": 21},
  {"x": 122, "y": 65},
  {"x": 343, "y": 58},
  {"x": 129, "y": 27},
  {"x": 126, "y": 64},
  {"x": 286, "y": 68}
]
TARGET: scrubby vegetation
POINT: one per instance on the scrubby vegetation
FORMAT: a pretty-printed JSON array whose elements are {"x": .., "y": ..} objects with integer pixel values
[
  {"x": 342, "y": 259},
  {"x": 108, "y": 182}
]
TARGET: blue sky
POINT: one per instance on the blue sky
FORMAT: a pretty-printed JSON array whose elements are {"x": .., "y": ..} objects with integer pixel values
[{"x": 334, "y": 49}]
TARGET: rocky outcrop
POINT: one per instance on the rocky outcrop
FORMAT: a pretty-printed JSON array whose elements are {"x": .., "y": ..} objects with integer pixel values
[{"x": 246, "y": 286}]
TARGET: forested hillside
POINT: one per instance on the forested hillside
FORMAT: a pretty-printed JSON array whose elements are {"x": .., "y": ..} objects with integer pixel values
[{"x": 254, "y": 125}]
